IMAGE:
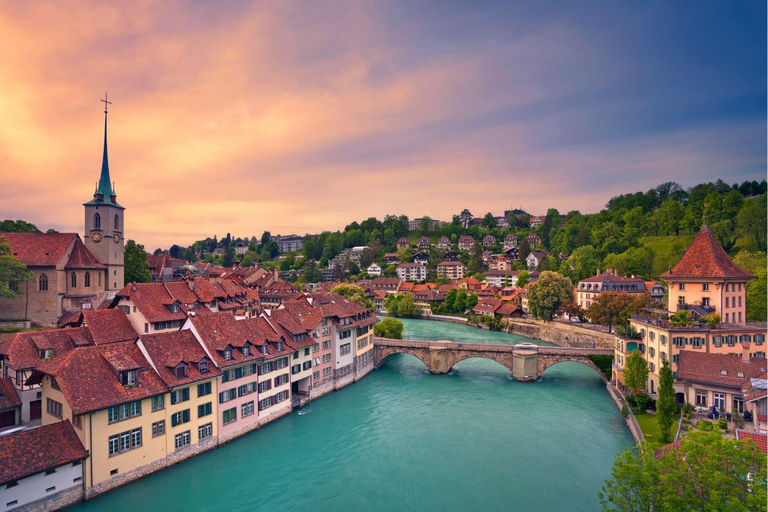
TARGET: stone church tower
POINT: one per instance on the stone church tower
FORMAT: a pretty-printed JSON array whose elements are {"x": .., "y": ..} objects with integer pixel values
[{"x": 105, "y": 224}]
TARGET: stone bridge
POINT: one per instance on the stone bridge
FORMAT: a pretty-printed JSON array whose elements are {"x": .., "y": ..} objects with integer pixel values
[{"x": 526, "y": 362}]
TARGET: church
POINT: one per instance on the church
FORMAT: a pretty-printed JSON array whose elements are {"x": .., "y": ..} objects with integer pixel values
[{"x": 71, "y": 274}]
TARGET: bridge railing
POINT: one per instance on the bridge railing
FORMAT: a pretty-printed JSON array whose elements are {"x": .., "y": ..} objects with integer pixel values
[{"x": 493, "y": 347}]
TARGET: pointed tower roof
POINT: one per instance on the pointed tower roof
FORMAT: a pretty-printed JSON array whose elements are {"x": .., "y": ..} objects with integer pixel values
[
  {"x": 705, "y": 258},
  {"x": 105, "y": 194}
]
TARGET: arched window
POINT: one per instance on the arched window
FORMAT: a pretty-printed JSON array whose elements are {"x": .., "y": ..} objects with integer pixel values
[
  {"x": 42, "y": 283},
  {"x": 87, "y": 279},
  {"x": 117, "y": 223},
  {"x": 74, "y": 280},
  {"x": 96, "y": 221}
]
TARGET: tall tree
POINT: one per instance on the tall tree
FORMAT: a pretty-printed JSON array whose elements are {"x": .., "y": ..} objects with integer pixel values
[
  {"x": 757, "y": 290},
  {"x": 524, "y": 250},
  {"x": 546, "y": 295},
  {"x": 614, "y": 308},
  {"x": 665, "y": 404},
  {"x": 136, "y": 264},
  {"x": 476, "y": 259},
  {"x": 12, "y": 271},
  {"x": 751, "y": 222},
  {"x": 635, "y": 371},
  {"x": 389, "y": 328},
  {"x": 707, "y": 472},
  {"x": 669, "y": 216}
]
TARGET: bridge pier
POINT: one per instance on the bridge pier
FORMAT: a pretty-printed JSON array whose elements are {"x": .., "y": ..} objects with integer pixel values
[
  {"x": 438, "y": 361},
  {"x": 525, "y": 365}
]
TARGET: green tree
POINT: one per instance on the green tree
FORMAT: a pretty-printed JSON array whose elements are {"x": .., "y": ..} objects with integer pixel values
[
  {"x": 523, "y": 278},
  {"x": 354, "y": 293},
  {"x": 136, "y": 264},
  {"x": 524, "y": 250},
  {"x": 18, "y": 226},
  {"x": 450, "y": 300},
  {"x": 12, "y": 271},
  {"x": 476, "y": 258},
  {"x": 665, "y": 404},
  {"x": 310, "y": 273},
  {"x": 489, "y": 221},
  {"x": 751, "y": 222},
  {"x": 391, "y": 304},
  {"x": 229, "y": 257},
  {"x": 389, "y": 328},
  {"x": 636, "y": 371},
  {"x": 582, "y": 263},
  {"x": 615, "y": 308},
  {"x": 390, "y": 271},
  {"x": 669, "y": 216},
  {"x": 757, "y": 290},
  {"x": 546, "y": 295},
  {"x": 425, "y": 225},
  {"x": 707, "y": 472},
  {"x": 636, "y": 261}
]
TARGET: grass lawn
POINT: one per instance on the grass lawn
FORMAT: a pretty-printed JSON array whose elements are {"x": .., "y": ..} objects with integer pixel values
[
  {"x": 667, "y": 250},
  {"x": 650, "y": 428}
]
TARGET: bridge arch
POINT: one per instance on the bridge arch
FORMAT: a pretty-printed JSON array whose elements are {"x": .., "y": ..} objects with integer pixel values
[
  {"x": 382, "y": 353},
  {"x": 459, "y": 357},
  {"x": 547, "y": 361}
]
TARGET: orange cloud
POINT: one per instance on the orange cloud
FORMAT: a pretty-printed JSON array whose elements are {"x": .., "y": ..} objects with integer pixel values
[{"x": 282, "y": 117}]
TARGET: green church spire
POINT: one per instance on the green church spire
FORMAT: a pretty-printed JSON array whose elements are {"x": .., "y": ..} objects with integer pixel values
[{"x": 105, "y": 192}]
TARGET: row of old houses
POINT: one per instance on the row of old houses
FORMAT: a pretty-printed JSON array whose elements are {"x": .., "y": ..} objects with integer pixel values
[{"x": 159, "y": 377}]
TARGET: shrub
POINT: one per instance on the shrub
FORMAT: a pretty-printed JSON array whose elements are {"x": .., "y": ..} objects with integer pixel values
[
  {"x": 705, "y": 425},
  {"x": 722, "y": 423},
  {"x": 639, "y": 401},
  {"x": 625, "y": 411},
  {"x": 687, "y": 409},
  {"x": 738, "y": 420}
]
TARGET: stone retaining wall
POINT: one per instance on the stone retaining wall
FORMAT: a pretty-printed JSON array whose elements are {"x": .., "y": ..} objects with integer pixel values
[
  {"x": 634, "y": 428},
  {"x": 57, "y": 501},
  {"x": 563, "y": 335}
]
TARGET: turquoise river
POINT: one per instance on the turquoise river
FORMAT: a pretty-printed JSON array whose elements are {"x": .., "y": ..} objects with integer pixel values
[{"x": 402, "y": 439}]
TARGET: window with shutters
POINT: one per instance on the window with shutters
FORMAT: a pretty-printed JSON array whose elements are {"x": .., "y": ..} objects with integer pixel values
[
  {"x": 229, "y": 416},
  {"x": 179, "y": 418},
  {"x": 179, "y": 395},
  {"x": 204, "y": 409},
  {"x": 203, "y": 389}
]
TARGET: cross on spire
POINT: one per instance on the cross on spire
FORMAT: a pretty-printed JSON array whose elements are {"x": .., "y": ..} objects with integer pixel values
[{"x": 106, "y": 103}]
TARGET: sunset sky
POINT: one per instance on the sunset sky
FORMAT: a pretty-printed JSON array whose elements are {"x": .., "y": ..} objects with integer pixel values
[{"x": 301, "y": 117}]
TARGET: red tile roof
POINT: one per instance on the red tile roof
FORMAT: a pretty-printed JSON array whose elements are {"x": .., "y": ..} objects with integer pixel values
[
  {"x": 703, "y": 367},
  {"x": 109, "y": 326},
  {"x": 81, "y": 258},
  {"x": 23, "y": 349},
  {"x": 760, "y": 439},
  {"x": 612, "y": 278},
  {"x": 39, "y": 249},
  {"x": 88, "y": 380},
  {"x": 167, "y": 350},
  {"x": 307, "y": 315},
  {"x": 705, "y": 258},
  {"x": 486, "y": 305},
  {"x": 9, "y": 397},
  {"x": 180, "y": 291},
  {"x": 35, "y": 450},
  {"x": 153, "y": 301},
  {"x": 217, "y": 331}
]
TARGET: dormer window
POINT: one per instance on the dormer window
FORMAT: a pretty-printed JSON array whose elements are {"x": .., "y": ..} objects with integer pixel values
[
  {"x": 740, "y": 374},
  {"x": 128, "y": 378},
  {"x": 46, "y": 354},
  {"x": 175, "y": 308},
  {"x": 265, "y": 348},
  {"x": 202, "y": 366},
  {"x": 180, "y": 371},
  {"x": 227, "y": 354},
  {"x": 246, "y": 350},
  {"x": 280, "y": 345},
  {"x": 723, "y": 372}
]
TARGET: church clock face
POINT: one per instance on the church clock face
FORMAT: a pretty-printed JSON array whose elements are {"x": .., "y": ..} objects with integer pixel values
[
  {"x": 96, "y": 237},
  {"x": 116, "y": 238}
]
